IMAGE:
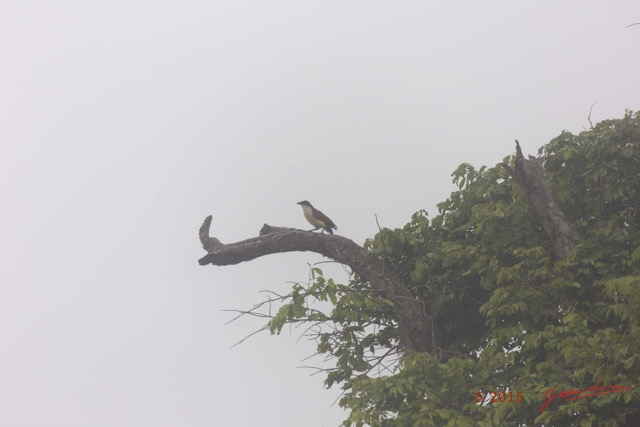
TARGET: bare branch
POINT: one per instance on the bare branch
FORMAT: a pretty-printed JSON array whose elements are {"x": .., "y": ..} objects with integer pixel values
[
  {"x": 249, "y": 336},
  {"x": 590, "y": 110},
  {"x": 631, "y": 25}
]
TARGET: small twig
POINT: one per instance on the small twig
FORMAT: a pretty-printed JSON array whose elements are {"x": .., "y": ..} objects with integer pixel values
[
  {"x": 252, "y": 311},
  {"x": 384, "y": 250},
  {"x": 338, "y": 398},
  {"x": 330, "y": 261},
  {"x": 267, "y": 291},
  {"x": 242, "y": 313},
  {"x": 249, "y": 336},
  {"x": 318, "y": 370},
  {"x": 590, "y": 110},
  {"x": 631, "y": 25},
  {"x": 310, "y": 356},
  {"x": 306, "y": 331}
]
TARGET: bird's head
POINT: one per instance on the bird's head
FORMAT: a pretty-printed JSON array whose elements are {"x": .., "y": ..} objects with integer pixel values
[{"x": 304, "y": 203}]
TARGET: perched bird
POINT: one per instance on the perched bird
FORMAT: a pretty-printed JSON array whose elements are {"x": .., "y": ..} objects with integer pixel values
[{"x": 317, "y": 218}]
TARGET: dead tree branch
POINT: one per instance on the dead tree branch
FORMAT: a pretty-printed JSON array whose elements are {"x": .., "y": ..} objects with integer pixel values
[
  {"x": 414, "y": 322},
  {"x": 529, "y": 175}
]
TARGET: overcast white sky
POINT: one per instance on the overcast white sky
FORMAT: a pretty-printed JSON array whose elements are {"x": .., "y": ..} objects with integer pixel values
[{"x": 124, "y": 123}]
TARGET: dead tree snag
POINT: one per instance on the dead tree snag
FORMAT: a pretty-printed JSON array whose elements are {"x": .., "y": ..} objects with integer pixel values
[{"x": 559, "y": 230}]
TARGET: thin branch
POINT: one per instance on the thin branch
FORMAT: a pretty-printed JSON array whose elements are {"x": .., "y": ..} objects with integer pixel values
[
  {"x": 590, "y": 110},
  {"x": 252, "y": 311},
  {"x": 318, "y": 370},
  {"x": 267, "y": 291},
  {"x": 631, "y": 25},
  {"x": 306, "y": 331},
  {"x": 249, "y": 336},
  {"x": 325, "y": 262},
  {"x": 243, "y": 312}
]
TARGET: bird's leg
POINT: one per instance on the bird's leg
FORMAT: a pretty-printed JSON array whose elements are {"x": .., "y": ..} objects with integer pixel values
[{"x": 314, "y": 229}]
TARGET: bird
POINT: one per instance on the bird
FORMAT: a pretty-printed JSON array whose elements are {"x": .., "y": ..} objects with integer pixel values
[{"x": 317, "y": 218}]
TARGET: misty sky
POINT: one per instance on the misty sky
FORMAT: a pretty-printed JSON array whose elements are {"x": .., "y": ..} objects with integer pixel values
[{"x": 124, "y": 123}]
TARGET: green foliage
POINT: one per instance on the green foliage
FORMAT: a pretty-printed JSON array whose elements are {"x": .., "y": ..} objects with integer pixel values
[{"x": 509, "y": 316}]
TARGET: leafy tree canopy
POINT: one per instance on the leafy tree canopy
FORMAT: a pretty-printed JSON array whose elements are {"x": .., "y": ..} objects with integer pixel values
[{"x": 508, "y": 315}]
